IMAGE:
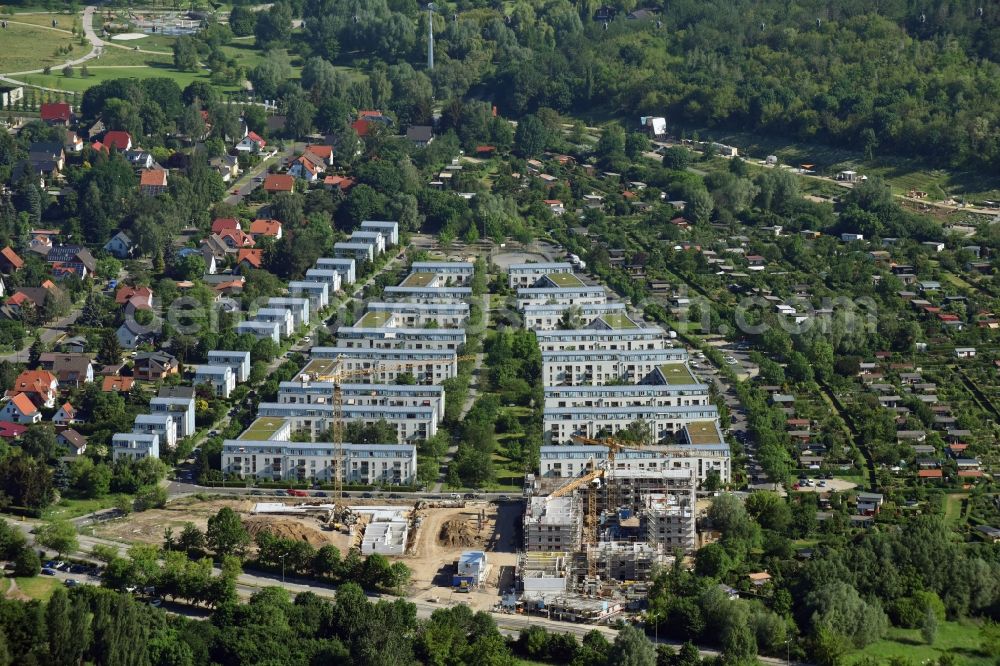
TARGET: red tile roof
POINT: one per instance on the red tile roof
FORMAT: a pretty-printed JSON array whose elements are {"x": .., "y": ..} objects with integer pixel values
[
  {"x": 33, "y": 381},
  {"x": 12, "y": 257},
  {"x": 253, "y": 257},
  {"x": 265, "y": 227},
  {"x": 279, "y": 182},
  {"x": 126, "y": 294},
  {"x": 117, "y": 383},
  {"x": 930, "y": 474},
  {"x": 23, "y": 404},
  {"x": 153, "y": 178},
  {"x": 239, "y": 238},
  {"x": 323, "y": 152},
  {"x": 253, "y": 136},
  {"x": 339, "y": 181},
  {"x": 361, "y": 126},
  {"x": 10, "y": 430},
  {"x": 118, "y": 139},
  {"x": 55, "y": 111},
  {"x": 220, "y": 224}
]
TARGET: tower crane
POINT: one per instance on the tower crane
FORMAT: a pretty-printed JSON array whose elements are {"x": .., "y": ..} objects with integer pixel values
[
  {"x": 338, "y": 376},
  {"x": 594, "y": 477}
]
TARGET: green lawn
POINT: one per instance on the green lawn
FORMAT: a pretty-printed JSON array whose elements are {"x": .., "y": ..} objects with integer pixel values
[
  {"x": 74, "y": 508},
  {"x": 960, "y": 639},
  {"x": 39, "y": 587},
  {"x": 98, "y": 75},
  {"x": 64, "y": 21},
  {"x": 26, "y": 48},
  {"x": 953, "y": 509}
]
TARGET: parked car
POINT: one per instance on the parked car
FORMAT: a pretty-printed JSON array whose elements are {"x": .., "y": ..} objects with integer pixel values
[
  {"x": 455, "y": 496},
  {"x": 280, "y": 493},
  {"x": 320, "y": 493},
  {"x": 71, "y": 582},
  {"x": 295, "y": 492},
  {"x": 469, "y": 496},
  {"x": 367, "y": 495},
  {"x": 49, "y": 572},
  {"x": 505, "y": 498}
]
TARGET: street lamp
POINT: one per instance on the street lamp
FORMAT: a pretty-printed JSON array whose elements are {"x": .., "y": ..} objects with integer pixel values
[
  {"x": 282, "y": 558},
  {"x": 788, "y": 643}
]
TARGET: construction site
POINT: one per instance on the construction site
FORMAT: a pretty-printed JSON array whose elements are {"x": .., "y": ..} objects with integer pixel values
[{"x": 593, "y": 543}]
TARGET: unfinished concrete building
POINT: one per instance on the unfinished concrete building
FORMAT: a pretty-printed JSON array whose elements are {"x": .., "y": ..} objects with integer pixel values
[
  {"x": 553, "y": 524},
  {"x": 621, "y": 561},
  {"x": 670, "y": 522}
]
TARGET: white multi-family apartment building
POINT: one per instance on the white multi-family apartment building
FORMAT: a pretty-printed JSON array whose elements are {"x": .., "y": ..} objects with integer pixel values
[
  {"x": 221, "y": 378},
  {"x": 578, "y": 295},
  {"x": 576, "y": 459},
  {"x": 357, "y": 251},
  {"x": 401, "y": 338},
  {"x": 135, "y": 445},
  {"x": 374, "y": 237},
  {"x": 343, "y": 265},
  {"x": 526, "y": 275},
  {"x": 560, "y": 424},
  {"x": 262, "y": 330},
  {"x": 298, "y": 306},
  {"x": 318, "y": 293},
  {"x": 161, "y": 424},
  {"x": 427, "y": 294},
  {"x": 588, "y": 339},
  {"x": 625, "y": 395},
  {"x": 239, "y": 361},
  {"x": 574, "y": 368},
  {"x": 182, "y": 409},
  {"x": 412, "y": 423},
  {"x": 279, "y": 316},
  {"x": 328, "y": 275},
  {"x": 450, "y": 272},
  {"x": 305, "y": 391},
  {"x": 426, "y": 365},
  {"x": 387, "y": 228},
  {"x": 364, "y": 464},
  {"x": 549, "y": 316},
  {"x": 416, "y": 315}
]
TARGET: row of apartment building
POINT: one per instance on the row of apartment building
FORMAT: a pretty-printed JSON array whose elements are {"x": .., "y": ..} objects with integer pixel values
[{"x": 418, "y": 338}]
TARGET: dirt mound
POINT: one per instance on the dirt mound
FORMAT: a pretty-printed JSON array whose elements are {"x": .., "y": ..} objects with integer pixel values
[
  {"x": 460, "y": 532},
  {"x": 286, "y": 529}
]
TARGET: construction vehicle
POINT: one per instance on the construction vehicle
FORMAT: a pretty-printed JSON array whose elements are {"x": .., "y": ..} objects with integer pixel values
[{"x": 338, "y": 376}]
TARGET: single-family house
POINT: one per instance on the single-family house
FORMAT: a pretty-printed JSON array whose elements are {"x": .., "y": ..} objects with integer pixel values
[
  {"x": 265, "y": 227},
  {"x": 120, "y": 246},
  {"x": 66, "y": 416},
  {"x": 41, "y": 387},
  {"x": 251, "y": 143},
  {"x": 20, "y": 409},
  {"x": 56, "y": 113},
  {"x": 72, "y": 258},
  {"x": 869, "y": 504},
  {"x": 140, "y": 298},
  {"x": 131, "y": 334},
  {"x": 420, "y": 135},
  {"x": 73, "y": 369},
  {"x": 277, "y": 183},
  {"x": 119, "y": 140},
  {"x": 152, "y": 182},
  {"x": 323, "y": 152},
  {"x": 117, "y": 384},
  {"x": 10, "y": 262},
  {"x": 72, "y": 440},
  {"x": 248, "y": 258},
  {"x": 154, "y": 366},
  {"x": 228, "y": 167}
]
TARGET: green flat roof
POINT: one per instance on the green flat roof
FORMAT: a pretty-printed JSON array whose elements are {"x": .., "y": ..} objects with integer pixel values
[
  {"x": 703, "y": 432},
  {"x": 676, "y": 373},
  {"x": 618, "y": 321},
  {"x": 565, "y": 280},
  {"x": 374, "y": 320},
  {"x": 262, "y": 429},
  {"x": 320, "y": 366},
  {"x": 418, "y": 279}
]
